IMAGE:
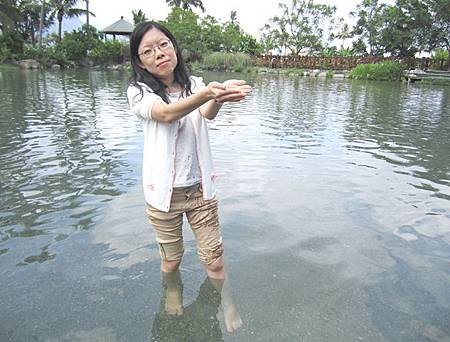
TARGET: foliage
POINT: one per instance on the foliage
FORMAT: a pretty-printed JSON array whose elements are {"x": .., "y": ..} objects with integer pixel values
[
  {"x": 367, "y": 28},
  {"x": 200, "y": 36},
  {"x": 186, "y": 4},
  {"x": 184, "y": 25},
  {"x": 267, "y": 41},
  {"x": 11, "y": 41},
  {"x": 109, "y": 51},
  {"x": 9, "y": 14},
  {"x": 211, "y": 33},
  {"x": 236, "y": 40},
  {"x": 138, "y": 17},
  {"x": 439, "y": 36},
  {"x": 343, "y": 32},
  {"x": 5, "y": 54},
  {"x": 440, "y": 55},
  {"x": 385, "y": 71},
  {"x": 301, "y": 27},
  {"x": 404, "y": 29},
  {"x": 76, "y": 44},
  {"x": 359, "y": 47},
  {"x": 45, "y": 56},
  {"x": 65, "y": 9},
  {"x": 333, "y": 51},
  {"x": 227, "y": 61}
]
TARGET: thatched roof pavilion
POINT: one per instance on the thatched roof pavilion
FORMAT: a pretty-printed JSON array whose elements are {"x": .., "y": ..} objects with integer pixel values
[{"x": 120, "y": 27}]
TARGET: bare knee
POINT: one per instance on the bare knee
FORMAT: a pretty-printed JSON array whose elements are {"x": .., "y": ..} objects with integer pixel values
[
  {"x": 170, "y": 265},
  {"x": 216, "y": 266}
]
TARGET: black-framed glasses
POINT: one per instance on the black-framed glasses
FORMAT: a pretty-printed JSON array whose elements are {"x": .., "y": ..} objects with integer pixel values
[{"x": 163, "y": 45}]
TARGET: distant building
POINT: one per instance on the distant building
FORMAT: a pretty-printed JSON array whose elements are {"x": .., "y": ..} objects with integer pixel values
[{"x": 119, "y": 28}]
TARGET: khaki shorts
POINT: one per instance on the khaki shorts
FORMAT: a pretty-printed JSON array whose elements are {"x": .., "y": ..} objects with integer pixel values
[{"x": 203, "y": 218}]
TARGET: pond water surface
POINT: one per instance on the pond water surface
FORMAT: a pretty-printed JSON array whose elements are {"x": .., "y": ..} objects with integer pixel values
[{"x": 334, "y": 203}]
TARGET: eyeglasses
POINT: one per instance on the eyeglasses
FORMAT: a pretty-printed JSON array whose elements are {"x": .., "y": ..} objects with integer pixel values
[{"x": 162, "y": 46}]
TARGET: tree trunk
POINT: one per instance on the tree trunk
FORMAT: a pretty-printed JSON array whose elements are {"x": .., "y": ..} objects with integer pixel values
[
  {"x": 60, "y": 29},
  {"x": 33, "y": 37},
  {"x": 87, "y": 13},
  {"x": 41, "y": 23}
]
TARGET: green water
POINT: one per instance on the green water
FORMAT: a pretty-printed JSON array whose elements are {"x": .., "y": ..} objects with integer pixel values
[{"x": 334, "y": 205}]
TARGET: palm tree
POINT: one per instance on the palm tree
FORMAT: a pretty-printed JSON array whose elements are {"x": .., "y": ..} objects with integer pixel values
[
  {"x": 9, "y": 14},
  {"x": 64, "y": 8},
  {"x": 233, "y": 17},
  {"x": 186, "y": 4},
  {"x": 138, "y": 17},
  {"x": 41, "y": 22},
  {"x": 87, "y": 12}
]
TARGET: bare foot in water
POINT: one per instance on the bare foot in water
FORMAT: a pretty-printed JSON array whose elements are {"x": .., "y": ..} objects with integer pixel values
[
  {"x": 232, "y": 318},
  {"x": 174, "y": 302}
]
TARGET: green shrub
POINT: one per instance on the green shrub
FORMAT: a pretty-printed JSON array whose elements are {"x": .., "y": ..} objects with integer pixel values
[
  {"x": 11, "y": 43},
  {"x": 34, "y": 52},
  {"x": 76, "y": 44},
  {"x": 385, "y": 71},
  {"x": 110, "y": 51},
  {"x": 227, "y": 61},
  {"x": 46, "y": 55},
  {"x": 5, "y": 54},
  {"x": 440, "y": 55}
]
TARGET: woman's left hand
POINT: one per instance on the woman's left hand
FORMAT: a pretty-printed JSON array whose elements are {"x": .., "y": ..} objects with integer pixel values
[{"x": 236, "y": 90}]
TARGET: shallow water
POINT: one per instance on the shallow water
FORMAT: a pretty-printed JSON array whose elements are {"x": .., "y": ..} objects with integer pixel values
[{"x": 334, "y": 199}]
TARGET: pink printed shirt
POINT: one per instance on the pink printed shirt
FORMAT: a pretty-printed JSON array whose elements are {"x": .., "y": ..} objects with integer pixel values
[{"x": 160, "y": 138}]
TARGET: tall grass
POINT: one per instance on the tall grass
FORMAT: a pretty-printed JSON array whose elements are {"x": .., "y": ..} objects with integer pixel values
[
  {"x": 385, "y": 71},
  {"x": 227, "y": 61}
]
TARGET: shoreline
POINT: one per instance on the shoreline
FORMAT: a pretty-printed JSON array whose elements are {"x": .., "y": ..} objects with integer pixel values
[{"x": 32, "y": 64}]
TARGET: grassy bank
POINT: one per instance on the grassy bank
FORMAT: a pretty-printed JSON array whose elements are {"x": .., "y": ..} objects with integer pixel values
[
  {"x": 223, "y": 61},
  {"x": 382, "y": 71}
]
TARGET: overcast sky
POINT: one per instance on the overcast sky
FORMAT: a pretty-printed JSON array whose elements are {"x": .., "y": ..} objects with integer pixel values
[{"x": 252, "y": 14}]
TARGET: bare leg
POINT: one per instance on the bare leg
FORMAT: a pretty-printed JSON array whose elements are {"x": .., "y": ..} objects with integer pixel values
[
  {"x": 171, "y": 278},
  {"x": 168, "y": 266},
  {"x": 217, "y": 275}
]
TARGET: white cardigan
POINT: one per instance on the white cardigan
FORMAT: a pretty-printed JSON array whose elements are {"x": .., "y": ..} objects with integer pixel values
[{"x": 158, "y": 168}]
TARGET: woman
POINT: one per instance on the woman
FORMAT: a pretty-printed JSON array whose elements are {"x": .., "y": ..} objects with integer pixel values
[{"x": 178, "y": 176}]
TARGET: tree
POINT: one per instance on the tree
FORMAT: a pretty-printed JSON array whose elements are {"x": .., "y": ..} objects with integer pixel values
[
  {"x": 184, "y": 25},
  {"x": 65, "y": 9},
  {"x": 405, "y": 28},
  {"x": 212, "y": 35},
  {"x": 23, "y": 17},
  {"x": 267, "y": 39},
  {"x": 138, "y": 17},
  {"x": 186, "y": 4},
  {"x": 87, "y": 12},
  {"x": 9, "y": 14},
  {"x": 440, "y": 25},
  {"x": 41, "y": 22},
  {"x": 233, "y": 17},
  {"x": 302, "y": 26},
  {"x": 30, "y": 20},
  {"x": 370, "y": 20},
  {"x": 343, "y": 32}
]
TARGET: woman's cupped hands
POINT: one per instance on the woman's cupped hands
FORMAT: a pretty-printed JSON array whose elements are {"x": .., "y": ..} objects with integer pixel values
[{"x": 229, "y": 91}]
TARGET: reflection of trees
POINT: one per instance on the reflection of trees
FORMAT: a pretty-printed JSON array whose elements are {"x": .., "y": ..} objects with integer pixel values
[
  {"x": 53, "y": 155},
  {"x": 411, "y": 122},
  {"x": 299, "y": 109}
]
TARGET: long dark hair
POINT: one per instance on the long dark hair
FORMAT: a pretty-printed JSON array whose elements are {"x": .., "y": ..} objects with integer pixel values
[{"x": 181, "y": 75}]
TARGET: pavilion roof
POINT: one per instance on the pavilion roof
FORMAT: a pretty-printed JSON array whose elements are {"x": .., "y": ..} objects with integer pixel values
[{"x": 120, "y": 27}]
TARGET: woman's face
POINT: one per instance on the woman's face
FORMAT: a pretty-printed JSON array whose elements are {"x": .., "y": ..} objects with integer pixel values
[{"x": 157, "y": 55}]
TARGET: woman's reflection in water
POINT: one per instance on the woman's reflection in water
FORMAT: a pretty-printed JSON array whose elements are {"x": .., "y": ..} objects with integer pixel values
[{"x": 197, "y": 321}]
